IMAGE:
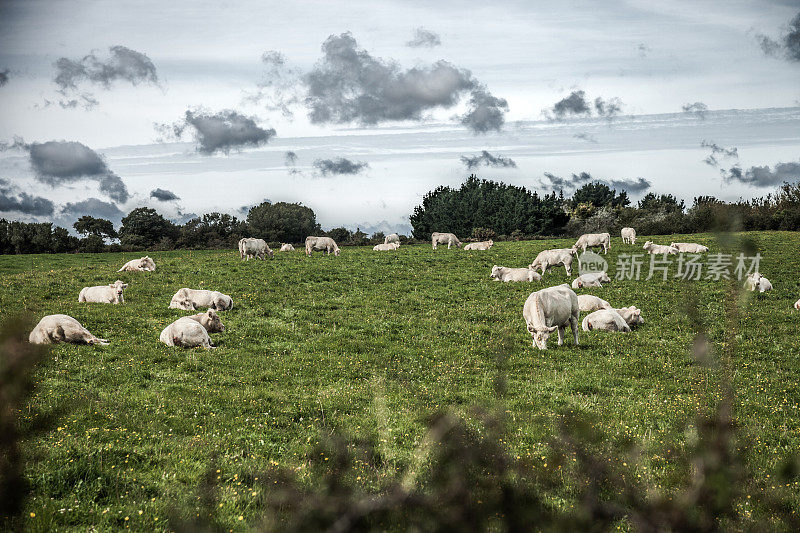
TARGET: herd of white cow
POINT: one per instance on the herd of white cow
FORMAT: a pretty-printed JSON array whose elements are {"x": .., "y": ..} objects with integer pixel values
[{"x": 545, "y": 311}]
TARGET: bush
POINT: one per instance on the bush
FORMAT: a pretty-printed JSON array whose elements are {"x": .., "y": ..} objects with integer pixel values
[
  {"x": 283, "y": 222},
  {"x": 483, "y": 234}
]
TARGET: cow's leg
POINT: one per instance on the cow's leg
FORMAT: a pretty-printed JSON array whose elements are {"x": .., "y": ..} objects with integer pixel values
[
  {"x": 560, "y": 335},
  {"x": 573, "y": 323}
]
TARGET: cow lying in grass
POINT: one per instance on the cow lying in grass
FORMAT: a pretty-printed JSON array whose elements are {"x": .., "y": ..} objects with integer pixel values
[
  {"x": 53, "y": 329},
  {"x": 588, "y": 303},
  {"x": 659, "y": 248},
  {"x": 191, "y": 299},
  {"x": 386, "y": 247},
  {"x": 483, "y": 245},
  {"x": 145, "y": 264},
  {"x": 501, "y": 273},
  {"x": 689, "y": 247},
  {"x": 192, "y": 331},
  {"x": 592, "y": 279},
  {"x": 105, "y": 294},
  {"x": 757, "y": 282}
]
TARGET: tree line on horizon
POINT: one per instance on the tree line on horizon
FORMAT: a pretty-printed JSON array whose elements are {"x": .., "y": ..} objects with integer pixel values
[{"x": 478, "y": 209}]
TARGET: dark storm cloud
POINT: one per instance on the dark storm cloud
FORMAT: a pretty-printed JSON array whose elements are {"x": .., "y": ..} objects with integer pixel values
[
  {"x": 290, "y": 159},
  {"x": 219, "y": 132},
  {"x": 573, "y": 105},
  {"x": 763, "y": 176},
  {"x": 124, "y": 64},
  {"x": 350, "y": 85},
  {"x": 94, "y": 207},
  {"x": 489, "y": 160},
  {"x": 788, "y": 46},
  {"x": 718, "y": 151},
  {"x": 608, "y": 108},
  {"x": 163, "y": 195},
  {"x": 698, "y": 108},
  {"x": 4, "y": 77},
  {"x": 575, "y": 181},
  {"x": 424, "y": 39},
  {"x": 12, "y": 199},
  {"x": 486, "y": 112},
  {"x": 61, "y": 162},
  {"x": 339, "y": 165}
]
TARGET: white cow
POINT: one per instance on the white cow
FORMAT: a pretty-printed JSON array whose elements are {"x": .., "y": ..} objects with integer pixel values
[
  {"x": 501, "y": 273},
  {"x": 797, "y": 305},
  {"x": 605, "y": 320},
  {"x": 191, "y": 331},
  {"x": 483, "y": 245},
  {"x": 689, "y": 247},
  {"x": 444, "y": 238},
  {"x": 191, "y": 299},
  {"x": 145, "y": 264},
  {"x": 591, "y": 279},
  {"x": 392, "y": 237},
  {"x": 53, "y": 329},
  {"x": 104, "y": 294},
  {"x": 591, "y": 240},
  {"x": 257, "y": 248},
  {"x": 557, "y": 256},
  {"x": 551, "y": 309},
  {"x": 757, "y": 281},
  {"x": 628, "y": 235},
  {"x": 287, "y": 248},
  {"x": 659, "y": 248},
  {"x": 385, "y": 247},
  {"x": 588, "y": 303},
  {"x": 631, "y": 315},
  {"x": 321, "y": 243}
]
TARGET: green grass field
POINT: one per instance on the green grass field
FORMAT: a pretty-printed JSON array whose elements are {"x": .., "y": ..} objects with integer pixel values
[{"x": 314, "y": 345}]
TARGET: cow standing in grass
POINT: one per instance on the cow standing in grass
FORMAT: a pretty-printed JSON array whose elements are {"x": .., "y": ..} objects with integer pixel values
[
  {"x": 257, "y": 248},
  {"x": 444, "y": 238},
  {"x": 320, "y": 244},
  {"x": 550, "y": 310},
  {"x": 557, "y": 256},
  {"x": 628, "y": 235},
  {"x": 592, "y": 240}
]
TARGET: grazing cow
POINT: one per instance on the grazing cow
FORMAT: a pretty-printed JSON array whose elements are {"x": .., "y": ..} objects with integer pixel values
[
  {"x": 588, "y": 303},
  {"x": 483, "y": 245},
  {"x": 557, "y": 256},
  {"x": 659, "y": 248},
  {"x": 191, "y": 331},
  {"x": 257, "y": 248},
  {"x": 385, "y": 247},
  {"x": 631, "y": 315},
  {"x": 551, "y": 309},
  {"x": 191, "y": 299},
  {"x": 392, "y": 237},
  {"x": 591, "y": 240},
  {"x": 104, "y": 294},
  {"x": 145, "y": 264},
  {"x": 501, "y": 273},
  {"x": 757, "y": 281},
  {"x": 53, "y": 329},
  {"x": 689, "y": 247},
  {"x": 628, "y": 235},
  {"x": 287, "y": 248},
  {"x": 605, "y": 320},
  {"x": 592, "y": 279},
  {"x": 444, "y": 238},
  {"x": 321, "y": 243}
]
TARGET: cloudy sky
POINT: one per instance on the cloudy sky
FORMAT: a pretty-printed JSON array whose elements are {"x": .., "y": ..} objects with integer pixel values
[{"x": 357, "y": 109}]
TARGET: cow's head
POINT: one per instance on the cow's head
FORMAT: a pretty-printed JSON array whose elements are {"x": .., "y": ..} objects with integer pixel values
[
  {"x": 336, "y": 252},
  {"x": 210, "y": 320},
  {"x": 540, "y": 335},
  {"x": 604, "y": 277},
  {"x": 495, "y": 272},
  {"x": 118, "y": 286}
]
